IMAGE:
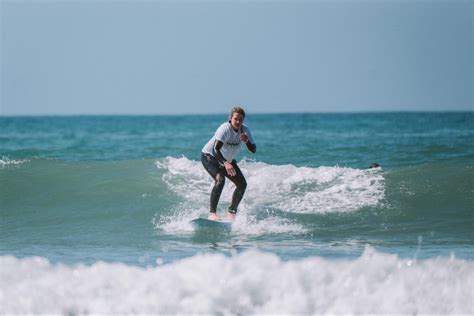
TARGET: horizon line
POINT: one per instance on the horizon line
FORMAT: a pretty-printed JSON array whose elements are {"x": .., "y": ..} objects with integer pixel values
[{"x": 225, "y": 113}]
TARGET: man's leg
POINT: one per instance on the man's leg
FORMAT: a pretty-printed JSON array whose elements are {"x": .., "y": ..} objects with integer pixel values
[
  {"x": 218, "y": 174},
  {"x": 240, "y": 186}
]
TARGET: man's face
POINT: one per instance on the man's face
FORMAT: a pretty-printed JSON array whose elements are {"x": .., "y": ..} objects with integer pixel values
[{"x": 236, "y": 120}]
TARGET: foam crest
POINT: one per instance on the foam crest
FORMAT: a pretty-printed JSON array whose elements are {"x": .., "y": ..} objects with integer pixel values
[
  {"x": 189, "y": 180},
  {"x": 5, "y": 161},
  {"x": 179, "y": 221},
  {"x": 284, "y": 187},
  {"x": 252, "y": 282},
  {"x": 185, "y": 177},
  {"x": 315, "y": 190}
]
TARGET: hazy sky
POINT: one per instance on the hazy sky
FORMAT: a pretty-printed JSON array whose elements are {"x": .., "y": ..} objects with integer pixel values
[{"x": 165, "y": 57}]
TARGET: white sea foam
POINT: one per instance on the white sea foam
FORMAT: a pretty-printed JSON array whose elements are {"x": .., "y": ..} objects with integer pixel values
[
  {"x": 8, "y": 162},
  {"x": 251, "y": 282},
  {"x": 270, "y": 187},
  {"x": 313, "y": 190}
]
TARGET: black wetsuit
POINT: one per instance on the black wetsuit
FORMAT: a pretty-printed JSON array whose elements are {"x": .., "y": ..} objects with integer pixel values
[{"x": 214, "y": 165}]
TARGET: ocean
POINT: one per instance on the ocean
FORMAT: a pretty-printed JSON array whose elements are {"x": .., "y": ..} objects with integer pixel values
[{"x": 96, "y": 210}]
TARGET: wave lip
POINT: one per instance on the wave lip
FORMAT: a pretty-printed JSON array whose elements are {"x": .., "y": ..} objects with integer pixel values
[{"x": 251, "y": 282}]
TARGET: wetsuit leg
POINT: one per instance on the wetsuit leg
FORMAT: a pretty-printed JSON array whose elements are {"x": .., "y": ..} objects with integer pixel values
[
  {"x": 240, "y": 186},
  {"x": 218, "y": 174}
]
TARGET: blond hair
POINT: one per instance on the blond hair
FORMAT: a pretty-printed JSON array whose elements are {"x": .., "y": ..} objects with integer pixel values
[{"x": 237, "y": 109}]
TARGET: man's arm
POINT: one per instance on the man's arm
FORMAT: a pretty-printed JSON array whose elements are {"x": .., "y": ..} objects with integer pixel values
[
  {"x": 217, "y": 149},
  {"x": 250, "y": 146},
  {"x": 227, "y": 164}
]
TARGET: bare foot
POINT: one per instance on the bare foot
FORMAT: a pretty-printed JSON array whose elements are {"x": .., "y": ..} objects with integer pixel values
[
  {"x": 231, "y": 216},
  {"x": 213, "y": 217}
]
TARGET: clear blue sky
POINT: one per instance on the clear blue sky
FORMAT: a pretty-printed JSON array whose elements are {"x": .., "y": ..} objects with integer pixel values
[{"x": 175, "y": 57}]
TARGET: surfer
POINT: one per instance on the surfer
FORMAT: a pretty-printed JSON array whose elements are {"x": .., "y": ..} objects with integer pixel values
[{"x": 217, "y": 157}]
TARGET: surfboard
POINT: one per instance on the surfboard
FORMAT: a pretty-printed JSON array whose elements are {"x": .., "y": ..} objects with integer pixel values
[{"x": 205, "y": 223}]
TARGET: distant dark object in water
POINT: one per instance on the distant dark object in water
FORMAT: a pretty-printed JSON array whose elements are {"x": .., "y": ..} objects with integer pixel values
[{"x": 374, "y": 165}]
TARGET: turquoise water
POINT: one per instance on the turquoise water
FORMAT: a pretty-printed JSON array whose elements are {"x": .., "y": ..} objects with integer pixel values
[{"x": 122, "y": 189}]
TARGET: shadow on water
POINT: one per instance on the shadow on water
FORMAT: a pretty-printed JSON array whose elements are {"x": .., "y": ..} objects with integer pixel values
[{"x": 220, "y": 240}]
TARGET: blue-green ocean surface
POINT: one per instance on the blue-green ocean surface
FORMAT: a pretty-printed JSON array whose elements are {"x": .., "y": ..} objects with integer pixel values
[{"x": 104, "y": 200}]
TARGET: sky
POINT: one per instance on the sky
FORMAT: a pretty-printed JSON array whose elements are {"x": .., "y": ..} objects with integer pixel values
[{"x": 197, "y": 57}]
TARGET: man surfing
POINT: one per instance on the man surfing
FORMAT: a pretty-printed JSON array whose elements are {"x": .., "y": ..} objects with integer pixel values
[{"x": 217, "y": 157}]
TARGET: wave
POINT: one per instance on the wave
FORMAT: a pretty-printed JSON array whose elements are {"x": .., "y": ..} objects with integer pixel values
[
  {"x": 252, "y": 282},
  {"x": 285, "y": 187},
  {"x": 280, "y": 199},
  {"x": 273, "y": 192}
]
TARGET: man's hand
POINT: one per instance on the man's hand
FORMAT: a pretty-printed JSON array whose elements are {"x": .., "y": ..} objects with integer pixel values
[
  {"x": 229, "y": 168},
  {"x": 244, "y": 137}
]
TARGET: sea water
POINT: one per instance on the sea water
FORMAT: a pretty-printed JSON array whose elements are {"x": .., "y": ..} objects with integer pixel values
[{"x": 95, "y": 214}]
